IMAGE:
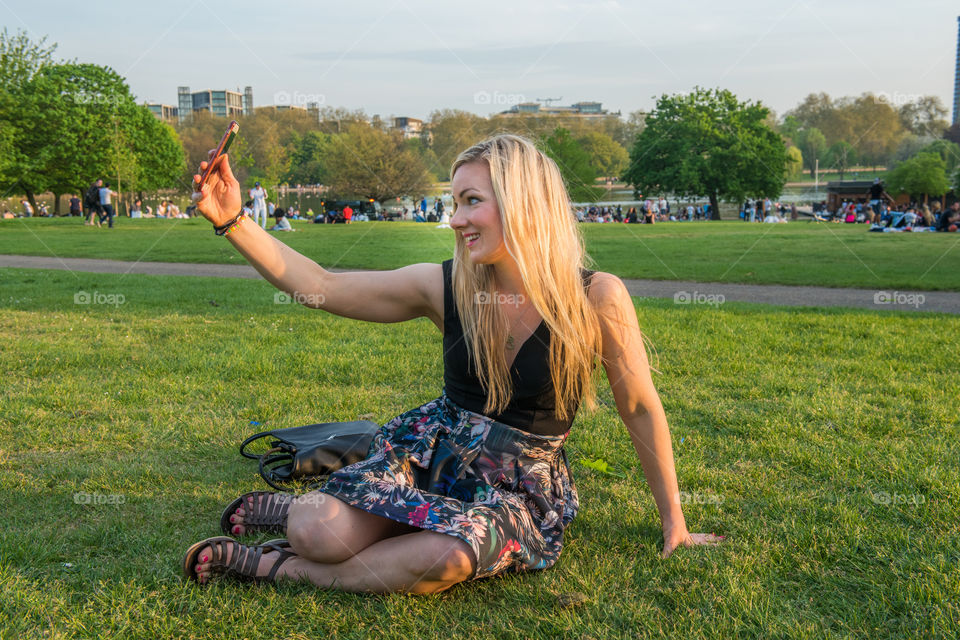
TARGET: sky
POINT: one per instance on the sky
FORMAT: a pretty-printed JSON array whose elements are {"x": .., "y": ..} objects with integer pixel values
[{"x": 409, "y": 58}]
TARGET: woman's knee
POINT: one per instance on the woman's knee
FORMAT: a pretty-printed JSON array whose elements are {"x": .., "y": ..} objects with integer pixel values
[
  {"x": 452, "y": 563},
  {"x": 313, "y": 528}
]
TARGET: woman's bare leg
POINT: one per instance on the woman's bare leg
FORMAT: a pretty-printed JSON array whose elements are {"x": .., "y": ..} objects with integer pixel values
[{"x": 421, "y": 562}]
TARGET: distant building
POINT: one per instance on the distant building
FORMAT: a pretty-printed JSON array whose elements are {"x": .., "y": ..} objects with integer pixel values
[
  {"x": 409, "y": 127},
  {"x": 163, "y": 112},
  {"x": 956, "y": 80},
  {"x": 223, "y": 103},
  {"x": 579, "y": 109}
]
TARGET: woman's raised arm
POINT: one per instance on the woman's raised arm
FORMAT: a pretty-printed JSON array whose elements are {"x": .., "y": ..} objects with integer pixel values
[{"x": 375, "y": 296}]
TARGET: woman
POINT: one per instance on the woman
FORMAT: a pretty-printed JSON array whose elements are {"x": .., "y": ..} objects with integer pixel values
[{"x": 474, "y": 483}]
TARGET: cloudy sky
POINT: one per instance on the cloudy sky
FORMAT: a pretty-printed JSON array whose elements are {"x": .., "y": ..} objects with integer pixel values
[{"x": 407, "y": 57}]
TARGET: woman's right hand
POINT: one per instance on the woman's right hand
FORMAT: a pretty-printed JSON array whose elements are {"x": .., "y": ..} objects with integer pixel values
[{"x": 219, "y": 199}]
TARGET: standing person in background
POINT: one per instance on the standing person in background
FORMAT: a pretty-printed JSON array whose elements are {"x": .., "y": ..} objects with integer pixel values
[
  {"x": 259, "y": 196},
  {"x": 423, "y": 207},
  {"x": 347, "y": 214},
  {"x": 27, "y": 209},
  {"x": 92, "y": 200},
  {"x": 105, "y": 206},
  {"x": 76, "y": 206}
]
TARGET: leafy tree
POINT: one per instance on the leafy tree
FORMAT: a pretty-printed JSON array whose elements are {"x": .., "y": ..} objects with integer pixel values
[
  {"x": 708, "y": 143},
  {"x": 69, "y": 122},
  {"x": 794, "y": 166},
  {"x": 371, "y": 163},
  {"x": 453, "y": 131},
  {"x": 308, "y": 162},
  {"x": 574, "y": 163},
  {"x": 926, "y": 116},
  {"x": 607, "y": 156},
  {"x": 814, "y": 146},
  {"x": 924, "y": 174},
  {"x": 841, "y": 156},
  {"x": 949, "y": 151}
]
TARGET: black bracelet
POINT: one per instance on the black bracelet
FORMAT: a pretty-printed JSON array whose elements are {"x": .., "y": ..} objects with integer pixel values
[{"x": 222, "y": 229}]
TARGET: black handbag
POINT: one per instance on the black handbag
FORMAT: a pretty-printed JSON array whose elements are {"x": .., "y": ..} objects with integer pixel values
[{"x": 304, "y": 456}]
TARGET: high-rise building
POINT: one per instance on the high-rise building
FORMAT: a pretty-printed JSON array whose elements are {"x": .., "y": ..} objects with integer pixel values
[
  {"x": 164, "y": 112},
  {"x": 956, "y": 80},
  {"x": 224, "y": 103}
]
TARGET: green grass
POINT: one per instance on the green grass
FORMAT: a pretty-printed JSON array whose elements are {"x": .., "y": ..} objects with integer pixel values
[
  {"x": 801, "y": 253},
  {"x": 789, "y": 428}
]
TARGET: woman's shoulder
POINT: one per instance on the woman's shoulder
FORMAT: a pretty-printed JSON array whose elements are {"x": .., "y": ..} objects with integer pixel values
[{"x": 605, "y": 289}]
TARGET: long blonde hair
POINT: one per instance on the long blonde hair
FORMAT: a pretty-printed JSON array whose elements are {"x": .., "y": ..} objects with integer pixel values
[{"x": 541, "y": 234}]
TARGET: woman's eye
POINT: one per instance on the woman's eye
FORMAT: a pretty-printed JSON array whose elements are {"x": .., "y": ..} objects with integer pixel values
[{"x": 472, "y": 198}]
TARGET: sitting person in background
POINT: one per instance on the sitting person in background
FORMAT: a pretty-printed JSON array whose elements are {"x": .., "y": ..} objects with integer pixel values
[
  {"x": 950, "y": 219},
  {"x": 136, "y": 209},
  {"x": 282, "y": 223},
  {"x": 162, "y": 209}
]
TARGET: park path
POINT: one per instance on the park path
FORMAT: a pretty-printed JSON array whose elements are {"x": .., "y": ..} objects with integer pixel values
[{"x": 683, "y": 292}]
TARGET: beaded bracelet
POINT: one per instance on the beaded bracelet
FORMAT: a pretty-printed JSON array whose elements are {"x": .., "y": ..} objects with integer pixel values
[{"x": 224, "y": 229}]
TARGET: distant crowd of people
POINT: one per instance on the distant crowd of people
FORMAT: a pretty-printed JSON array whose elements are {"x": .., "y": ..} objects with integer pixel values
[{"x": 650, "y": 211}]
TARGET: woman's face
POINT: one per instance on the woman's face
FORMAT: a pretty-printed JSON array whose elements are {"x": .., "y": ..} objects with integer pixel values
[{"x": 477, "y": 217}]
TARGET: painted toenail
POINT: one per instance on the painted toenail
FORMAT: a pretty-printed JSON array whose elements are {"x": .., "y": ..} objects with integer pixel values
[
  {"x": 204, "y": 559},
  {"x": 233, "y": 518},
  {"x": 237, "y": 511},
  {"x": 236, "y": 529}
]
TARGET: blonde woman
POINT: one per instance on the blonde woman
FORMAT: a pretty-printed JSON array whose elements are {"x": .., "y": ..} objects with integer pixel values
[{"x": 476, "y": 482}]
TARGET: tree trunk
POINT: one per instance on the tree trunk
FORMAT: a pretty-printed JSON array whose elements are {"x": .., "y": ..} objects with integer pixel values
[
  {"x": 56, "y": 204},
  {"x": 714, "y": 206}
]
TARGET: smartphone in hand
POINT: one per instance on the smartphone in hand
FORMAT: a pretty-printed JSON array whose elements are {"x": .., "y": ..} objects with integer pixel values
[{"x": 222, "y": 148}]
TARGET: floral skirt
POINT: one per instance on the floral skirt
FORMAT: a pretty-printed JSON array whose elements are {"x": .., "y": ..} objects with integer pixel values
[{"x": 505, "y": 492}]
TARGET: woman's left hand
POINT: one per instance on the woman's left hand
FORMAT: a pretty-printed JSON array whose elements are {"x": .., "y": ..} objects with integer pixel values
[{"x": 682, "y": 537}]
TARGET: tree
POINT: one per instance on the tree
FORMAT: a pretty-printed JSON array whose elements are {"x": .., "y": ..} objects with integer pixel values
[
  {"x": 453, "y": 131},
  {"x": 371, "y": 163},
  {"x": 607, "y": 156},
  {"x": 926, "y": 116},
  {"x": 924, "y": 174},
  {"x": 949, "y": 151},
  {"x": 69, "y": 123},
  {"x": 308, "y": 159},
  {"x": 708, "y": 143},
  {"x": 841, "y": 156},
  {"x": 574, "y": 164},
  {"x": 813, "y": 145},
  {"x": 794, "y": 167}
]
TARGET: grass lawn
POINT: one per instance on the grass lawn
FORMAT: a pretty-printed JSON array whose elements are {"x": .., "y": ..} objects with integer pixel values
[
  {"x": 823, "y": 444},
  {"x": 800, "y": 253}
]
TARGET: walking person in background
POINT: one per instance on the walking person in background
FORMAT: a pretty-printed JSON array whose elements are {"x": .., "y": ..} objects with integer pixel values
[
  {"x": 27, "y": 209},
  {"x": 92, "y": 200},
  {"x": 106, "y": 208},
  {"x": 259, "y": 196}
]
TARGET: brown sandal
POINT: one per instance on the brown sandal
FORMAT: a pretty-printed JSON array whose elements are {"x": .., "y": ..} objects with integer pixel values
[
  {"x": 244, "y": 559},
  {"x": 270, "y": 516}
]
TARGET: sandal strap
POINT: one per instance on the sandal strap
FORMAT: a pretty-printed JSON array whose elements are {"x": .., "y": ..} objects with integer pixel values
[
  {"x": 272, "y": 510},
  {"x": 245, "y": 559}
]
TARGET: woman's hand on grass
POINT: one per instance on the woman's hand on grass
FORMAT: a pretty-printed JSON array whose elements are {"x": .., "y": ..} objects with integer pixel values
[
  {"x": 219, "y": 199},
  {"x": 681, "y": 537}
]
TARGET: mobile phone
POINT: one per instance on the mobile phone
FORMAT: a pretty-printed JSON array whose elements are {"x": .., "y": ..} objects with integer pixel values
[{"x": 222, "y": 148}]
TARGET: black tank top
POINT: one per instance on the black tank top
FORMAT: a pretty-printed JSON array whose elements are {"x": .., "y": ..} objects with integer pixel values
[{"x": 532, "y": 405}]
